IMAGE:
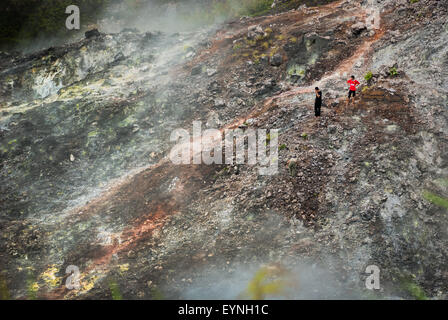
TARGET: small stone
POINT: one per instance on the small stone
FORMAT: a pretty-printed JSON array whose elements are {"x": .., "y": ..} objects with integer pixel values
[
  {"x": 196, "y": 70},
  {"x": 358, "y": 28},
  {"x": 211, "y": 72},
  {"x": 92, "y": 33},
  {"x": 254, "y": 31},
  {"x": 276, "y": 60},
  {"x": 220, "y": 103}
]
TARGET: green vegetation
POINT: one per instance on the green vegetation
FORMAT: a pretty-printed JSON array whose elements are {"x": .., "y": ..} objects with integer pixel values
[
  {"x": 156, "y": 294},
  {"x": 435, "y": 199},
  {"x": 282, "y": 147},
  {"x": 251, "y": 42},
  {"x": 268, "y": 281},
  {"x": 268, "y": 138},
  {"x": 296, "y": 70},
  {"x": 413, "y": 1},
  {"x": 25, "y": 21},
  {"x": 280, "y": 37},
  {"x": 368, "y": 76},
  {"x": 31, "y": 285},
  {"x": 4, "y": 292},
  {"x": 273, "y": 51},
  {"x": 115, "y": 290},
  {"x": 255, "y": 7},
  {"x": 393, "y": 71},
  {"x": 413, "y": 289},
  {"x": 292, "y": 4}
]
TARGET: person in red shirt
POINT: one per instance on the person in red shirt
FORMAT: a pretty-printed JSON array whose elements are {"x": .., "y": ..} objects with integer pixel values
[{"x": 352, "y": 92}]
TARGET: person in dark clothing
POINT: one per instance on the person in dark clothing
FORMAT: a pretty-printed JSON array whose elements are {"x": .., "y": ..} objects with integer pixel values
[{"x": 318, "y": 102}]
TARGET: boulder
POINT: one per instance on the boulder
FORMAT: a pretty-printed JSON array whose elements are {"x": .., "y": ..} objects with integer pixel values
[
  {"x": 213, "y": 121},
  {"x": 92, "y": 33},
  {"x": 196, "y": 70},
  {"x": 276, "y": 60},
  {"x": 220, "y": 103},
  {"x": 254, "y": 31},
  {"x": 358, "y": 28},
  {"x": 211, "y": 72}
]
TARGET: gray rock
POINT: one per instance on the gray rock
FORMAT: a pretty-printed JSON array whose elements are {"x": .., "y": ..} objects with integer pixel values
[
  {"x": 92, "y": 33},
  {"x": 358, "y": 28},
  {"x": 196, "y": 70},
  {"x": 220, "y": 103},
  {"x": 211, "y": 72},
  {"x": 332, "y": 129},
  {"x": 276, "y": 60},
  {"x": 254, "y": 31}
]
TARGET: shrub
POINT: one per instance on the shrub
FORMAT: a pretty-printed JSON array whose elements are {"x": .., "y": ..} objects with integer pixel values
[
  {"x": 435, "y": 199},
  {"x": 269, "y": 281},
  {"x": 115, "y": 290},
  {"x": 368, "y": 76},
  {"x": 393, "y": 71},
  {"x": 255, "y": 7},
  {"x": 409, "y": 285}
]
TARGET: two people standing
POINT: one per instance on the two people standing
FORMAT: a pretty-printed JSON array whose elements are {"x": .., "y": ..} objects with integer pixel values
[{"x": 351, "y": 95}]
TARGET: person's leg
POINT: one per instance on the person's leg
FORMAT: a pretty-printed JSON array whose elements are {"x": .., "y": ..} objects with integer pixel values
[
  {"x": 318, "y": 111},
  {"x": 351, "y": 95}
]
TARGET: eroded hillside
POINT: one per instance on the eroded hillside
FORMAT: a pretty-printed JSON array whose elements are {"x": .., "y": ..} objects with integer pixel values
[{"x": 87, "y": 179}]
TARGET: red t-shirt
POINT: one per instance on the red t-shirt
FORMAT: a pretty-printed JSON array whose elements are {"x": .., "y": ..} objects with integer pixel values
[{"x": 353, "y": 84}]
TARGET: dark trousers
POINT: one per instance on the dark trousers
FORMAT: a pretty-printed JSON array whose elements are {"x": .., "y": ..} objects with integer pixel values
[{"x": 317, "y": 107}]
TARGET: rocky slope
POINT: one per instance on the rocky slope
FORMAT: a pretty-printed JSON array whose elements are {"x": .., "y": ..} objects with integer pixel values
[{"x": 87, "y": 181}]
